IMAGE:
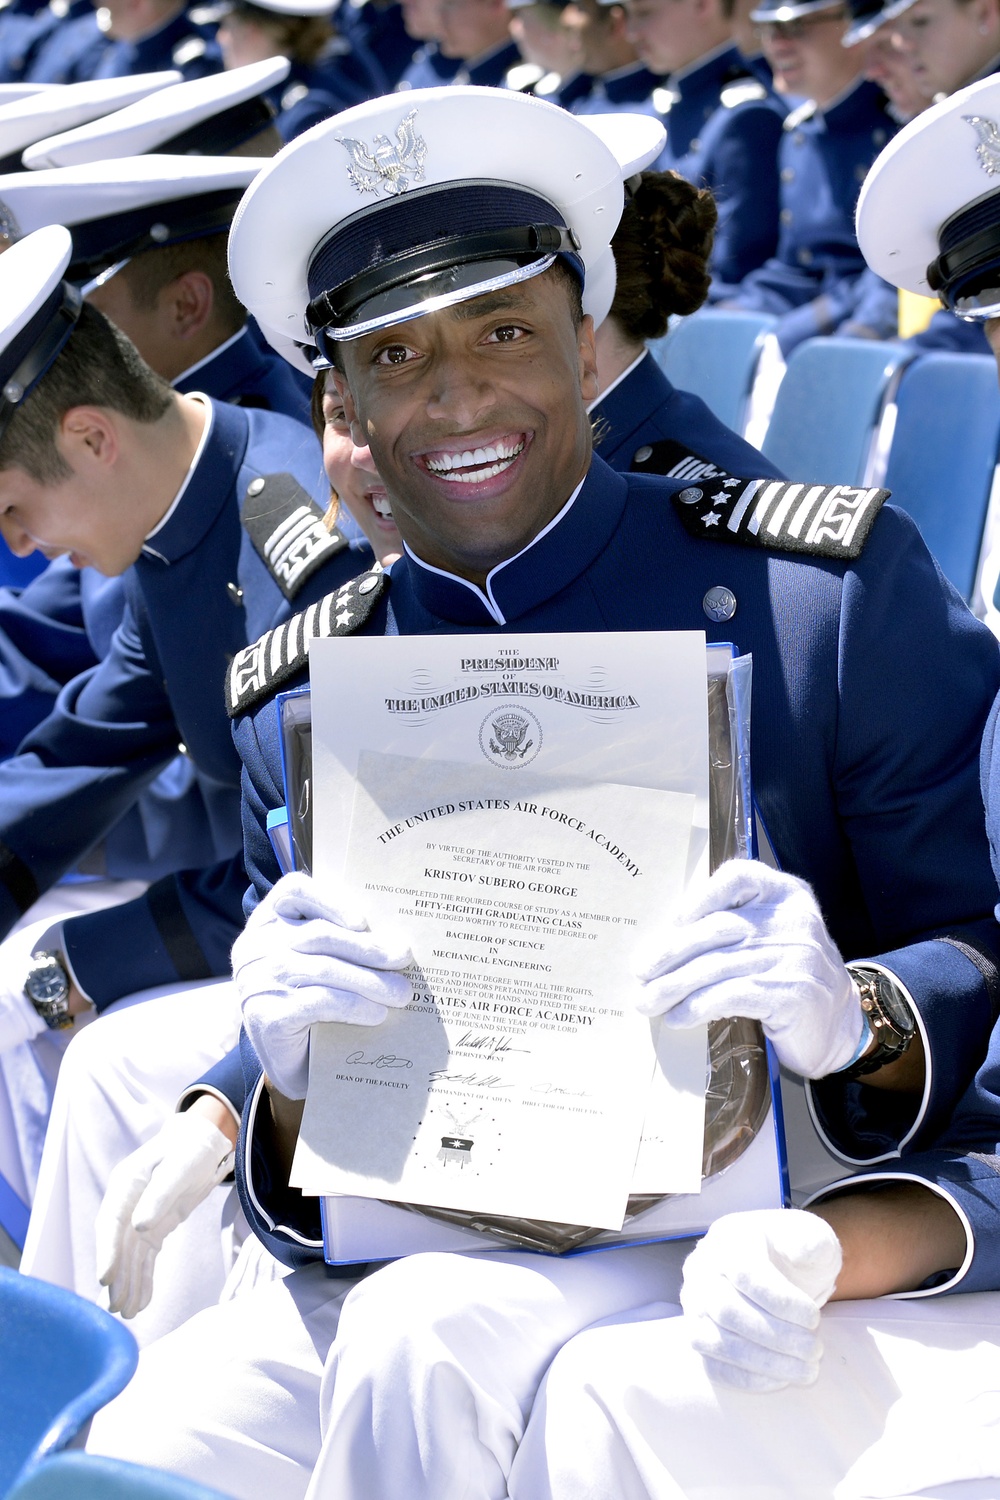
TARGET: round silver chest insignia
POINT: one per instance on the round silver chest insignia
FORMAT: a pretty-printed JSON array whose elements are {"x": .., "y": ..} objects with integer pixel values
[
  {"x": 642, "y": 455},
  {"x": 690, "y": 497},
  {"x": 719, "y": 604}
]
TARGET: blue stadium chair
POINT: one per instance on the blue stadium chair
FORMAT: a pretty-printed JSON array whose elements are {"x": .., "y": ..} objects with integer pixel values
[
  {"x": 87, "y": 1476},
  {"x": 829, "y": 407},
  {"x": 715, "y": 354},
  {"x": 943, "y": 455},
  {"x": 14, "y": 1213},
  {"x": 61, "y": 1359}
]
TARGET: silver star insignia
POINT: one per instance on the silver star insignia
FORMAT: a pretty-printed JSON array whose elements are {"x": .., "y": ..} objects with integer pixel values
[
  {"x": 731, "y": 484},
  {"x": 721, "y": 498},
  {"x": 712, "y": 519},
  {"x": 344, "y": 617}
]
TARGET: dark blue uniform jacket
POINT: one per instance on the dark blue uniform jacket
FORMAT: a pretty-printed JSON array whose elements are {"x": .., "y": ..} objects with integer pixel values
[
  {"x": 872, "y": 683},
  {"x": 723, "y": 133}
]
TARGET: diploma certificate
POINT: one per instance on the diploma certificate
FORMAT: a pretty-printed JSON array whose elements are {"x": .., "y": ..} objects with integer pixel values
[{"x": 523, "y": 812}]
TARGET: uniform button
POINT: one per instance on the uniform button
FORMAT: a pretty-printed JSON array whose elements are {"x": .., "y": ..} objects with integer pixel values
[
  {"x": 786, "y": 216},
  {"x": 695, "y": 145},
  {"x": 860, "y": 172},
  {"x": 878, "y": 136},
  {"x": 799, "y": 139},
  {"x": 719, "y": 604},
  {"x": 367, "y": 584},
  {"x": 805, "y": 256},
  {"x": 690, "y": 496},
  {"x": 788, "y": 174},
  {"x": 235, "y": 593},
  {"x": 255, "y": 486},
  {"x": 642, "y": 455}
]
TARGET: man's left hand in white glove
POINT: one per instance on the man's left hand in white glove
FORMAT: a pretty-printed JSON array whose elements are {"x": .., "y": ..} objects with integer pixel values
[
  {"x": 154, "y": 1190},
  {"x": 752, "y": 942},
  {"x": 752, "y": 1293}
]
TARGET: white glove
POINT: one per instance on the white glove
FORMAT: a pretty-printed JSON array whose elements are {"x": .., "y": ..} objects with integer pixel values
[
  {"x": 752, "y": 942},
  {"x": 148, "y": 1195},
  {"x": 752, "y": 1291},
  {"x": 19, "y": 1020},
  {"x": 303, "y": 959}
]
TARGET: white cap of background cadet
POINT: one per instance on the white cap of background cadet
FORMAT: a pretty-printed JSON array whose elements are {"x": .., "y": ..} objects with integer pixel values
[
  {"x": 26, "y": 120},
  {"x": 928, "y": 217},
  {"x": 462, "y": 190},
  {"x": 200, "y": 116},
  {"x": 117, "y": 209},
  {"x": 38, "y": 312}
]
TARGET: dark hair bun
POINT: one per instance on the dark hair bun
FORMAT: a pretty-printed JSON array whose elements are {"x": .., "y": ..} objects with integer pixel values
[{"x": 661, "y": 250}]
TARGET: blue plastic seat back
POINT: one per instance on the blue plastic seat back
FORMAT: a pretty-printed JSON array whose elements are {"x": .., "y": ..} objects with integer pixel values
[
  {"x": 88, "y": 1476},
  {"x": 944, "y": 452},
  {"x": 61, "y": 1359},
  {"x": 715, "y": 354},
  {"x": 828, "y": 407},
  {"x": 14, "y": 1213}
]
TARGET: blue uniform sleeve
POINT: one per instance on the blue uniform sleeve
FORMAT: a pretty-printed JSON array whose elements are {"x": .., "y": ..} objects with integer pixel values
[
  {"x": 43, "y": 645},
  {"x": 111, "y": 730},
  {"x": 256, "y": 737},
  {"x": 745, "y": 183},
  {"x": 225, "y": 1078},
  {"x": 179, "y": 930},
  {"x": 874, "y": 310}
]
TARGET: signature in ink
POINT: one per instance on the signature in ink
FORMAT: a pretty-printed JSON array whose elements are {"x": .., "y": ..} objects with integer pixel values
[
  {"x": 487, "y": 1041},
  {"x": 384, "y": 1060},
  {"x": 475, "y": 1080},
  {"x": 553, "y": 1088}
]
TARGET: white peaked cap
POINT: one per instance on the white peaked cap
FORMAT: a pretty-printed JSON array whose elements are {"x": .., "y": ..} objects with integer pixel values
[
  {"x": 153, "y": 123},
  {"x": 38, "y": 312},
  {"x": 944, "y": 161},
  {"x": 30, "y": 119},
  {"x": 489, "y": 159}
]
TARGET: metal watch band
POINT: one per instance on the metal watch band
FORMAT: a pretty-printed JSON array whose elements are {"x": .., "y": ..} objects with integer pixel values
[{"x": 891, "y": 1039}]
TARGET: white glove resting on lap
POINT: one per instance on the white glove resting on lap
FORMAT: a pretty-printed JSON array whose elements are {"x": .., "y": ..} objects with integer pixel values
[
  {"x": 752, "y": 942},
  {"x": 752, "y": 1293},
  {"x": 302, "y": 959},
  {"x": 148, "y": 1195},
  {"x": 19, "y": 1020}
]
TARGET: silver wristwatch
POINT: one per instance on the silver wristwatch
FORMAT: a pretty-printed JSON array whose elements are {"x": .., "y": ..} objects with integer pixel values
[
  {"x": 47, "y": 987},
  {"x": 888, "y": 1017}
]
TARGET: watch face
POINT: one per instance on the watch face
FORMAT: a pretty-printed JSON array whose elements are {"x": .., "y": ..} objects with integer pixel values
[{"x": 48, "y": 986}]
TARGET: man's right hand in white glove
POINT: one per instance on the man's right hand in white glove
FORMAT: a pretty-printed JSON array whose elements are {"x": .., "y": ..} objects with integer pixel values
[
  {"x": 752, "y": 1293},
  {"x": 149, "y": 1194},
  {"x": 306, "y": 957}
]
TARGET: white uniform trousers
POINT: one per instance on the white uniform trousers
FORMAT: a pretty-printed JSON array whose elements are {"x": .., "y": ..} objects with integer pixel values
[
  {"x": 432, "y": 1379},
  {"x": 120, "y": 1079},
  {"x": 907, "y": 1404},
  {"x": 425, "y": 1393},
  {"x": 28, "y": 1073},
  {"x": 233, "y": 1397}
]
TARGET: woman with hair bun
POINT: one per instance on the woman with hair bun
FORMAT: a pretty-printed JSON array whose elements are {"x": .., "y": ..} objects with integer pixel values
[{"x": 641, "y": 421}]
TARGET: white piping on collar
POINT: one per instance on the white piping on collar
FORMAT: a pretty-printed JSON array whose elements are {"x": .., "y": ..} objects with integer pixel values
[
  {"x": 209, "y": 422},
  {"x": 213, "y": 354},
  {"x": 486, "y": 596},
  {"x": 619, "y": 378}
]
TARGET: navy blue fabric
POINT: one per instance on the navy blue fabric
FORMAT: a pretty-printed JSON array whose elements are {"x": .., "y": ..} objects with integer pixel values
[
  {"x": 378, "y": 28},
  {"x": 116, "y": 726},
  {"x": 731, "y": 148},
  {"x": 490, "y": 71},
  {"x": 78, "y": 50},
  {"x": 627, "y": 89},
  {"x": 645, "y": 409},
  {"x": 809, "y": 281},
  {"x": 951, "y": 335},
  {"x": 23, "y": 35},
  {"x": 428, "y": 69},
  {"x": 341, "y": 78},
  {"x": 872, "y": 683}
]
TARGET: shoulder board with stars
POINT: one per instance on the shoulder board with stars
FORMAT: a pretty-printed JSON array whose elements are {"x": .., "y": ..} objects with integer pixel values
[
  {"x": 820, "y": 520},
  {"x": 286, "y": 527},
  {"x": 675, "y": 460},
  {"x": 257, "y": 671}
]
